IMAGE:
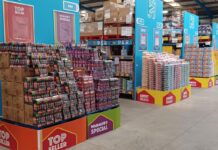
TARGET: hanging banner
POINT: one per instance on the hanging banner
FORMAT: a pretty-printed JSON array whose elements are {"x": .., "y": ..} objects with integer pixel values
[
  {"x": 157, "y": 40},
  {"x": 143, "y": 38},
  {"x": 64, "y": 28},
  {"x": 18, "y": 20}
]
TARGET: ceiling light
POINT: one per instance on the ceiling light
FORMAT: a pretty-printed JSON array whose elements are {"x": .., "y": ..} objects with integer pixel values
[
  {"x": 165, "y": 11},
  {"x": 83, "y": 12},
  {"x": 175, "y": 4},
  {"x": 168, "y": 1}
]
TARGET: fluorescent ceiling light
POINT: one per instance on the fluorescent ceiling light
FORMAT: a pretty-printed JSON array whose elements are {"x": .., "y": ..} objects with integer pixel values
[
  {"x": 83, "y": 12},
  {"x": 168, "y": 1},
  {"x": 175, "y": 4},
  {"x": 165, "y": 11}
]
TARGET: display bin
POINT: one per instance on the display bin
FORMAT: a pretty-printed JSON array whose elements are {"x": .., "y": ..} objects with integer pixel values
[
  {"x": 163, "y": 98},
  {"x": 16, "y": 136},
  {"x": 202, "y": 82},
  {"x": 103, "y": 122}
]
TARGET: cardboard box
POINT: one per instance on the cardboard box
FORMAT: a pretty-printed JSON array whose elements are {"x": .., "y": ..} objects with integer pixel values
[
  {"x": 6, "y": 74},
  {"x": 99, "y": 14},
  {"x": 111, "y": 15},
  {"x": 18, "y": 102},
  {"x": 19, "y": 74},
  {"x": 28, "y": 113},
  {"x": 14, "y": 89},
  {"x": 7, "y": 100},
  {"x": 110, "y": 31},
  {"x": 126, "y": 15},
  {"x": 19, "y": 117},
  {"x": 4, "y": 60},
  {"x": 5, "y": 112},
  {"x": 91, "y": 29},
  {"x": 116, "y": 1},
  {"x": 125, "y": 31},
  {"x": 87, "y": 17}
]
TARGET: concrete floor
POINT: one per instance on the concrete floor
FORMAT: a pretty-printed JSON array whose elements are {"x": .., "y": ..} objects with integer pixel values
[{"x": 188, "y": 125}]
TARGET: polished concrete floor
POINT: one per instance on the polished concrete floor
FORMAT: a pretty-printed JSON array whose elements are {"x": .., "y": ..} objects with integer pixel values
[{"x": 188, "y": 125}]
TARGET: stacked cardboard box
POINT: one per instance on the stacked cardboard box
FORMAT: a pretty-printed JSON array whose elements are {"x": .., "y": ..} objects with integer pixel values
[
  {"x": 112, "y": 13},
  {"x": 91, "y": 29},
  {"x": 12, "y": 91}
]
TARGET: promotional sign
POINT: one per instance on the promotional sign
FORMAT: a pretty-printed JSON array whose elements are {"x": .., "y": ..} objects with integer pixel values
[
  {"x": 103, "y": 122},
  {"x": 163, "y": 98},
  {"x": 64, "y": 28},
  {"x": 70, "y": 6},
  {"x": 58, "y": 137},
  {"x": 18, "y": 20},
  {"x": 203, "y": 82},
  {"x": 15, "y": 137},
  {"x": 143, "y": 38},
  {"x": 157, "y": 40},
  {"x": 190, "y": 30}
]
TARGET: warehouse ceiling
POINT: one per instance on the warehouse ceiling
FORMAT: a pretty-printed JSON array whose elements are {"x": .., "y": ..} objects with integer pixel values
[{"x": 206, "y": 9}]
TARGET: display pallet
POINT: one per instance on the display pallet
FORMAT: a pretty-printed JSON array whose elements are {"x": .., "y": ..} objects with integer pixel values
[
  {"x": 163, "y": 98},
  {"x": 62, "y": 136},
  {"x": 202, "y": 82},
  {"x": 103, "y": 122}
]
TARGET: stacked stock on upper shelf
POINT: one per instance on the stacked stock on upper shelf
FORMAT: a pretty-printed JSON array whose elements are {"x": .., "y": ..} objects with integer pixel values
[
  {"x": 106, "y": 87},
  {"x": 205, "y": 35},
  {"x": 38, "y": 86},
  {"x": 173, "y": 32},
  {"x": 114, "y": 18},
  {"x": 164, "y": 72}
]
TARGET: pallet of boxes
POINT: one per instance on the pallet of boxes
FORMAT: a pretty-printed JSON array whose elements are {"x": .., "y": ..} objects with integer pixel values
[
  {"x": 113, "y": 21},
  {"x": 41, "y": 109}
]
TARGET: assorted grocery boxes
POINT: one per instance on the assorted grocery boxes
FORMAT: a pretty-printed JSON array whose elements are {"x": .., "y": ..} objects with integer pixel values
[
  {"x": 107, "y": 18},
  {"x": 40, "y": 87}
]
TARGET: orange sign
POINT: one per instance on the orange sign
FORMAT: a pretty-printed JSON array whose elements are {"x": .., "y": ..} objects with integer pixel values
[
  {"x": 59, "y": 137},
  {"x": 16, "y": 137},
  {"x": 18, "y": 20}
]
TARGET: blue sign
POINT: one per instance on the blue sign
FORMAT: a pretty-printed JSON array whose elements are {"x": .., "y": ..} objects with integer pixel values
[
  {"x": 149, "y": 14},
  {"x": 190, "y": 30},
  {"x": 70, "y": 6},
  {"x": 215, "y": 36}
]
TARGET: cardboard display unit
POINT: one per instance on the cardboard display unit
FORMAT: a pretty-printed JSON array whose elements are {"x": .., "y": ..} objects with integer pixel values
[
  {"x": 103, "y": 122},
  {"x": 163, "y": 98},
  {"x": 61, "y": 137},
  {"x": 202, "y": 82}
]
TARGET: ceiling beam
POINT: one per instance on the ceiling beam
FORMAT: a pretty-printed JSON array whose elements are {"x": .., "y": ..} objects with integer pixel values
[
  {"x": 209, "y": 13},
  {"x": 92, "y": 1}
]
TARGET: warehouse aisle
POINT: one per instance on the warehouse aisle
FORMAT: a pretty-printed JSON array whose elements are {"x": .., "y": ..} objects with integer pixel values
[{"x": 188, "y": 125}]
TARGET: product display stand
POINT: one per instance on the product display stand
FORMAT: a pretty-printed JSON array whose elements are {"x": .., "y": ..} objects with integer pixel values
[
  {"x": 65, "y": 135},
  {"x": 163, "y": 98}
]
